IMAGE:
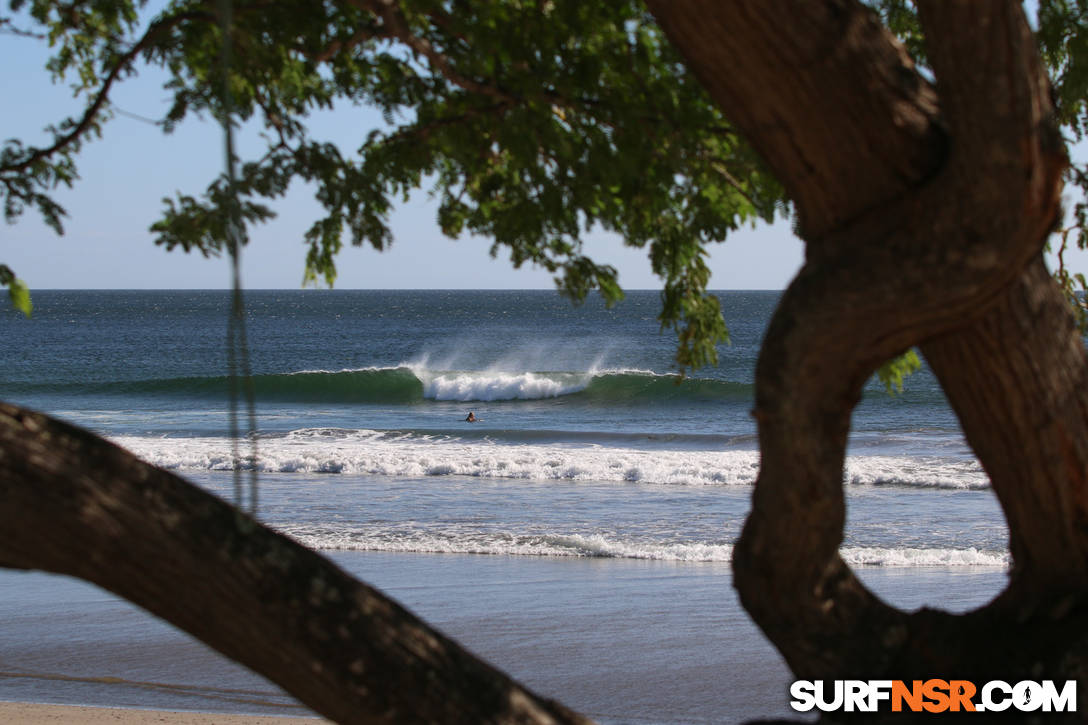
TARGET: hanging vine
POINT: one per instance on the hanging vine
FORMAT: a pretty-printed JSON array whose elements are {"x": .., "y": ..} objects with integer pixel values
[{"x": 238, "y": 363}]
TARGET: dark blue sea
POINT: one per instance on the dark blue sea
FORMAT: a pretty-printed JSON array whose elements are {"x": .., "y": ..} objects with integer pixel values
[{"x": 597, "y": 496}]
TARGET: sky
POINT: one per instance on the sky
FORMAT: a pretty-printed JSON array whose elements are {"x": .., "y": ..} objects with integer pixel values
[{"x": 126, "y": 174}]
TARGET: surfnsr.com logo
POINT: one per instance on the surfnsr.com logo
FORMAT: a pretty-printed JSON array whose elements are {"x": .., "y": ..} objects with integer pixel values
[{"x": 933, "y": 696}]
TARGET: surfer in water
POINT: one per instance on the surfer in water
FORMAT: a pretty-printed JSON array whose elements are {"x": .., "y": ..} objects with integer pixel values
[{"x": 471, "y": 417}]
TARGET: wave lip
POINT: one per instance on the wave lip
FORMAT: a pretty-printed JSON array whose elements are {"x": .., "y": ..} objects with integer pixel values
[{"x": 598, "y": 386}]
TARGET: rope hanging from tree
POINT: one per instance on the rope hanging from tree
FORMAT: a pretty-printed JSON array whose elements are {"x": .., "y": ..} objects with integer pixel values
[{"x": 238, "y": 364}]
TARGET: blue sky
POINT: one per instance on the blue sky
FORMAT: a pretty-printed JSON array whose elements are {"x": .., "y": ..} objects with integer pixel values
[{"x": 125, "y": 175}]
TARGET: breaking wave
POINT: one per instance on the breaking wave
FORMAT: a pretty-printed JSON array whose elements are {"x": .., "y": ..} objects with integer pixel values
[
  {"x": 412, "y": 384},
  {"x": 600, "y": 546},
  {"x": 418, "y": 455}
]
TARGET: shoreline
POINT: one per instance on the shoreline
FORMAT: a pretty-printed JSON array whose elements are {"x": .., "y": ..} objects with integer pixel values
[
  {"x": 27, "y": 713},
  {"x": 618, "y": 640}
]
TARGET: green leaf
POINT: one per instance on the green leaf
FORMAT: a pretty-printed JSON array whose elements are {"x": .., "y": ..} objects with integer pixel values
[
  {"x": 896, "y": 370},
  {"x": 20, "y": 297},
  {"x": 18, "y": 291}
]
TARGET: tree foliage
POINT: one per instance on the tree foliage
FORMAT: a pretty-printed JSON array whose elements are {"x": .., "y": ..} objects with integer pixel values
[
  {"x": 18, "y": 292},
  {"x": 531, "y": 122}
]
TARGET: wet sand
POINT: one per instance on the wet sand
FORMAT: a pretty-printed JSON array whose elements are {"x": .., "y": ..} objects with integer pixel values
[
  {"x": 623, "y": 641},
  {"x": 19, "y": 713}
]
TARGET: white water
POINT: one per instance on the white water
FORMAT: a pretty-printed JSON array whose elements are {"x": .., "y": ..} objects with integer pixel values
[
  {"x": 414, "y": 455},
  {"x": 493, "y": 386},
  {"x": 597, "y": 545}
]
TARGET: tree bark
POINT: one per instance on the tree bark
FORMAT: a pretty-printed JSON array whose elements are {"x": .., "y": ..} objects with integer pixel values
[
  {"x": 1034, "y": 445},
  {"x": 74, "y": 504},
  {"x": 924, "y": 209}
]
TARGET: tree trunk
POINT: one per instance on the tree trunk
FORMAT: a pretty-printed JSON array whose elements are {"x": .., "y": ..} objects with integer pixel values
[
  {"x": 289, "y": 614},
  {"x": 924, "y": 210},
  {"x": 1017, "y": 381}
]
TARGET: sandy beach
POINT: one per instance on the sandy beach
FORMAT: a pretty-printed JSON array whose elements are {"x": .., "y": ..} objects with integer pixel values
[
  {"x": 19, "y": 713},
  {"x": 619, "y": 640}
]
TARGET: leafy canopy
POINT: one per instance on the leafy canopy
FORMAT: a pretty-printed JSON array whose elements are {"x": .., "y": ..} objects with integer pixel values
[{"x": 532, "y": 122}]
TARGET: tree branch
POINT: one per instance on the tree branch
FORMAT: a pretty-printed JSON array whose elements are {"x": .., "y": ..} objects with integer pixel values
[
  {"x": 336, "y": 644},
  {"x": 390, "y": 13},
  {"x": 989, "y": 78},
  {"x": 101, "y": 98},
  {"x": 904, "y": 242},
  {"x": 423, "y": 131},
  {"x": 7, "y": 26},
  {"x": 338, "y": 46},
  {"x": 839, "y": 152}
]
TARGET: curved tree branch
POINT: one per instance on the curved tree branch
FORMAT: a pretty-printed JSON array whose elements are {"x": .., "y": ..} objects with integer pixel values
[
  {"x": 1028, "y": 342},
  {"x": 838, "y": 151},
  {"x": 336, "y": 644},
  {"x": 906, "y": 240}
]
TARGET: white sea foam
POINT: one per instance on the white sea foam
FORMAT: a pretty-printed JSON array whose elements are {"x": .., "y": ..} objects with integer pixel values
[
  {"x": 366, "y": 452},
  {"x": 913, "y": 557},
  {"x": 493, "y": 385},
  {"x": 597, "y": 545},
  {"x": 922, "y": 471},
  {"x": 419, "y": 456},
  {"x": 507, "y": 380},
  {"x": 501, "y": 384}
]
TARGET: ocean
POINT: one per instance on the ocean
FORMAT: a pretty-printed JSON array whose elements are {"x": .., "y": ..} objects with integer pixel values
[{"x": 578, "y": 534}]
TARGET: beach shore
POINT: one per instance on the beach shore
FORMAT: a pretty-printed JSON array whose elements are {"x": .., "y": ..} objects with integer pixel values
[
  {"x": 20, "y": 713},
  {"x": 622, "y": 641}
]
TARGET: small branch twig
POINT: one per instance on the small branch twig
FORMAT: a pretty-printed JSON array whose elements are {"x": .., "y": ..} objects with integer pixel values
[{"x": 101, "y": 98}]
